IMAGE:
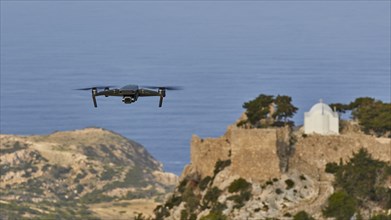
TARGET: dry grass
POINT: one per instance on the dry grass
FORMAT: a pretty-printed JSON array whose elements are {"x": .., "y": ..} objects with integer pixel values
[{"x": 127, "y": 209}]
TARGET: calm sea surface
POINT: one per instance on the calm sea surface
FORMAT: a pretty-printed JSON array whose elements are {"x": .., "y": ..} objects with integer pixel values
[{"x": 223, "y": 53}]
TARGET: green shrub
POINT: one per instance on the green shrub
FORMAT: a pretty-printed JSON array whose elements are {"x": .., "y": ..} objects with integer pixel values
[
  {"x": 341, "y": 206},
  {"x": 362, "y": 176},
  {"x": 59, "y": 171},
  {"x": 139, "y": 216},
  {"x": 110, "y": 157},
  {"x": 214, "y": 216},
  {"x": 133, "y": 178},
  {"x": 191, "y": 200},
  {"x": 381, "y": 217},
  {"x": 220, "y": 165},
  {"x": 332, "y": 167},
  {"x": 302, "y": 215},
  {"x": 140, "y": 194},
  {"x": 240, "y": 199},
  {"x": 241, "y": 123},
  {"x": 95, "y": 196},
  {"x": 80, "y": 176},
  {"x": 184, "y": 214},
  {"x": 279, "y": 191},
  {"x": 239, "y": 185},
  {"x": 90, "y": 152},
  {"x": 173, "y": 201},
  {"x": 182, "y": 185},
  {"x": 108, "y": 174},
  {"x": 161, "y": 212},
  {"x": 193, "y": 216},
  {"x": 289, "y": 184},
  {"x": 212, "y": 195},
  {"x": 17, "y": 146},
  {"x": 218, "y": 207},
  {"x": 204, "y": 183}
]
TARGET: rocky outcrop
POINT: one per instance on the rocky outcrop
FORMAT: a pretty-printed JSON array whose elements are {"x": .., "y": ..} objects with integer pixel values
[{"x": 71, "y": 168}]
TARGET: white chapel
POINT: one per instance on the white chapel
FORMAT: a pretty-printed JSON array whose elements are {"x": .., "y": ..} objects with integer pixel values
[{"x": 321, "y": 119}]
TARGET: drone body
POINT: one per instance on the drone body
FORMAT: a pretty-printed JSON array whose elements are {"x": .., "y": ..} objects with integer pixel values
[{"x": 130, "y": 93}]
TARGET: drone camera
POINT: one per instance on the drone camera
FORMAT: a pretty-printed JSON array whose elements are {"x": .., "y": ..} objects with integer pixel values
[{"x": 128, "y": 99}]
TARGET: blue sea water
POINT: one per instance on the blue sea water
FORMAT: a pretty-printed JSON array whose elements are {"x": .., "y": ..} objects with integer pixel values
[{"x": 222, "y": 52}]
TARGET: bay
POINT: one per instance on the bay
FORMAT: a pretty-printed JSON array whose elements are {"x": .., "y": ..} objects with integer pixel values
[{"x": 223, "y": 53}]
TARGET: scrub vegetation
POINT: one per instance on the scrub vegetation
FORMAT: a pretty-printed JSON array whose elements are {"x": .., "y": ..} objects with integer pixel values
[
  {"x": 359, "y": 185},
  {"x": 374, "y": 116}
]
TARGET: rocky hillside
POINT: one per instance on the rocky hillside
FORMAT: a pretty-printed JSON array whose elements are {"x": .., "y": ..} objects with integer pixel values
[
  {"x": 277, "y": 173},
  {"x": 71, "y": 174},
  {"x": 226, "y": 196}
]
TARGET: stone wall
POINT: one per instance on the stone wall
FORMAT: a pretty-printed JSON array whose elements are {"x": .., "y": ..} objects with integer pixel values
[
  {"x": 262, "y": 154},
  {"x": 313, "y": 152},
  {"x": 253, "y": 153},
  {"x": 205, "y": 152}
]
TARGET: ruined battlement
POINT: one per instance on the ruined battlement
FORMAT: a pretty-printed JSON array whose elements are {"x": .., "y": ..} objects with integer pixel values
[
  {"x": 262, "y": 154},
  {"x": 253, "y": 152}
]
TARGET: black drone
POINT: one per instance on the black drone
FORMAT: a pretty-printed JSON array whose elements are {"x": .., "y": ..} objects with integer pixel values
[{"x": 130, "y": 93}]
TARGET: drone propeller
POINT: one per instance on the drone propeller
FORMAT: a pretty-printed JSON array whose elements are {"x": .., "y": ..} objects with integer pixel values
[
  {"x": 95, "y": 87},
  {"x": 164, "y": 87},
  {"x": 162, "y": 91}
]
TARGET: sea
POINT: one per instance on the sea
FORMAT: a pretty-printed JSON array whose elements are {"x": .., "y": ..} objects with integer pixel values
[{"x": 223, "y": 53}]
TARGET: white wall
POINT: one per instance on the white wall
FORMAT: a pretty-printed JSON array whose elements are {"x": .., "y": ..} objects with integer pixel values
[{"x": 316, "y": 122}]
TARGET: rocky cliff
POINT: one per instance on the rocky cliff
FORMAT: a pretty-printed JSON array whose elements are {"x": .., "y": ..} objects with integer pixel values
[
  {"x": 264, "y": 173},
  {"x": 71, "y": 174}
]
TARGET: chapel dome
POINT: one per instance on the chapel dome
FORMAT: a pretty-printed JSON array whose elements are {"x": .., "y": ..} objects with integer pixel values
[{"x": 321, "y": 107}]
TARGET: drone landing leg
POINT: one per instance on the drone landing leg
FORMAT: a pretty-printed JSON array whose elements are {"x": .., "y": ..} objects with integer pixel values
[
  {"x": 94, "y": 98},
  {"x": 161, "y": 101}
]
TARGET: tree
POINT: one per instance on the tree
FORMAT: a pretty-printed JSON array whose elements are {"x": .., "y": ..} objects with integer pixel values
[
  {"x": 284, "y": 108},
  {"x": 258, "y": 109},
  {"x": 373, "y": 115},
  {"x": 360, "y": 102},
  {"x": 339, "y": 107}
]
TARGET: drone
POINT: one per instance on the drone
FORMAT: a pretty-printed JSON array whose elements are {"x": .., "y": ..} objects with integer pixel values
[{"x": 130, "y": 93}]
